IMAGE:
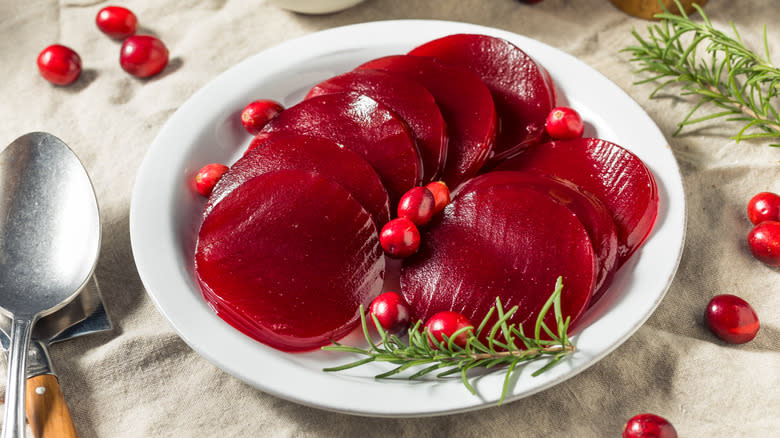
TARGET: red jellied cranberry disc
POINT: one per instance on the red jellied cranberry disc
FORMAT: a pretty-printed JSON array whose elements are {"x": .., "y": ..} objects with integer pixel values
[
  {"x": 319, "y": 155},
  {"x": 287, "y": 258},
  {"x": 732, "y": 319},
  {"x": 649, "y": 426},
  {"x": 464, "y": 101},
  {"x": 116, "y": 21},
  {"x": 764, "y": 242},
  {"x": 143, "y": 56},
  {"x": 59, "y": 64},
  {"x": 500, "y": 242},
  {"x": 410, "y": 100},
  {"x": 361, "y": 124},
  {"x": 613, "y": 174},
  {"x": 764, "y": 206}
]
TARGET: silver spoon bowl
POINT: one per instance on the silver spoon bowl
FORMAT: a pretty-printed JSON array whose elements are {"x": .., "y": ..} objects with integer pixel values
[{"x": 49, "y": 244}]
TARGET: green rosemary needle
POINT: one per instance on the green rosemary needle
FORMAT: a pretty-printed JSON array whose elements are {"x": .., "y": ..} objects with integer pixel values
[
  {"x": 739, "y": 84},
  {"x": 513, "y": 348}
]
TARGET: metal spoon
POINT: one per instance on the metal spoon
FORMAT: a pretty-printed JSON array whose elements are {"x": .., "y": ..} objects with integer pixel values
[{"x": 49, "y": 243}]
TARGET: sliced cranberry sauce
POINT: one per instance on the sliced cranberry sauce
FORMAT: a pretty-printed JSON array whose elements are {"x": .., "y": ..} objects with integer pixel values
[
  {"x": 363, "y": 125},
  {"x": 616, "y": 176},
  {"x": 408, "y": 99},
  {"x": 464, "y": 101},
  {"x": 319, "y": 155},
  {"x": 520, "y": 86},
  {"x": 500, "y": 241},
  {"x": 594, "y": 216},
  {"x": 287, "y": 258}
]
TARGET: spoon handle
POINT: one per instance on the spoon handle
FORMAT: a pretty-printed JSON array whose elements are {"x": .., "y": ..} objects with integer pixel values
[{"x": 13, "y": 421}]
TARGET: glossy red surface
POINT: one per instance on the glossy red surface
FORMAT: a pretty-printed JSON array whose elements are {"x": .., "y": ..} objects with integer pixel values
[
  {"x": 417, "y": 205},
  {"x": 410, "y": 100},
  {"x": 518, "y": 84},
  {"x": 59, "y": 64},
  {"x": 441, "y": 195},
  {"x": 764, "y": 242},
  {"x": 649, "y": 426},
  {"x": 400, "y": 238},
  {"x": 464, "y": 101},
  {"x": 446, "y": 324},
  {"x": 287, "y": 258},
  {"x": 594, "y": 216},
  {"x": 500, "y": 242},
  {"x": 315, "y": 154},
  {"x": 732, "y": 319},
  {"x": 208, "y": 176},
  {"x": 363, "y": 125},
  {"x": 392, "y": 311},
  {"x": 764, "y": 206},
  {"x": 614, "y": 175},
  {"x": 564, "y": 123},
  {"x": 116, "y": 21},
  {"x": 143, "y": 56},
  {"x": 258, "y": 113}
]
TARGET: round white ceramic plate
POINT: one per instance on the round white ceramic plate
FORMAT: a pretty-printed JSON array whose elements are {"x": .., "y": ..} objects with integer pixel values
[{"x": 165, "y": 216}]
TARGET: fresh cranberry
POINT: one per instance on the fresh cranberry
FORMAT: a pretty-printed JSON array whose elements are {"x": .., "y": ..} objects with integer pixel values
[
  {"x": 392, "y": 311},
  {"x": 732, "y": 319},
  {"x": 649, "y": 426},
  {"x": 564, "y": 123},
  {"x": 447, "y": 323},
  {"x": 59, "y": 65},
  {"x": 116, "y": 21},
  {"x": 400, "y": 238},
  {"x": 441, "y": 195},
  {"x": 764, "y": 242},
  {"x": 417, "y": 205},
  {"x": 765, "y": 206},
  {"x": 208, "y": 176},
  {"x": 143, "y": 56},
  {"x": 258, "y": 113}
]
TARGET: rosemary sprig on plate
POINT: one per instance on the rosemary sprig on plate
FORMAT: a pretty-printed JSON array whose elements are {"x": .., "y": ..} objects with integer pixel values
[
  {"x": 506, "y": 346},
  {"x": 741, "y": 84}
]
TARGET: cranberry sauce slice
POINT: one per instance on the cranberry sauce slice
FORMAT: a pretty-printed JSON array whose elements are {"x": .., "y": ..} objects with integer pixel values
[
  {"x": 501, "y": 241},
  {"x": 464, "y": 101},
  {"x": 363, "y": 125},
  {"x": 408, "y": 99},
  {"x": 594, "y": 216},
  {"x": 519, "y": 85},
  {"x": 616, "y": 176},
  {"x": 319, "y": 155},
  {"x": 287, "y": 258}
]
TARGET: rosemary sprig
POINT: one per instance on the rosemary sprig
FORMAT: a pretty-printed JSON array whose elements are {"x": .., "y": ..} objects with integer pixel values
[
  {"x": 449, "y": 358},
  {"x": 741, "y": 85}
]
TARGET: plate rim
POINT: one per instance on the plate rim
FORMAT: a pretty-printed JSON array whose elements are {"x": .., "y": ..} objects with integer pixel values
[{"x": 140, "y": 221}]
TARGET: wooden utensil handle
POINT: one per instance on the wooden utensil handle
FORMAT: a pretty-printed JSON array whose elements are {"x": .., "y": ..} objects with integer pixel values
[{"x": 47, "y": 412}]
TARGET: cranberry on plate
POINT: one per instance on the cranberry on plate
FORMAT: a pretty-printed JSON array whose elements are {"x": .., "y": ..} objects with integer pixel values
[
  {"x": 649, "y": 426},
  {"x": 400, "y": 238},
  {"x": 446, "y": 324},
  {"x": 258, "y": 113},
  {"x": 59, "y": 64},
  {"x": 417, "y": 205},
  {"x": 116, "y": 22},
  {"x": 208, "y": 176},
  {"x": 143, "y": 56},
  {"x": 392, "y": 311},
  {"x": 441, "y": 195},
  {"x": 564, "y": 123},
  {"x": 732, "y": 319}
]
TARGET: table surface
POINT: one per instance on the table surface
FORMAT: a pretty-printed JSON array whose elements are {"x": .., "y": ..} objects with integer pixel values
[{"x": 142, "y": 380}]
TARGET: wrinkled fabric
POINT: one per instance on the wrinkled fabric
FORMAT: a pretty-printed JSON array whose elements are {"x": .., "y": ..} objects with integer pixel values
[{"x": 142, "y": 380}]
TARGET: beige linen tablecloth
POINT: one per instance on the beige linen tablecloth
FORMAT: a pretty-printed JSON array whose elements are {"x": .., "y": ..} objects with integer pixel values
[{"x": 141, "y": 380}]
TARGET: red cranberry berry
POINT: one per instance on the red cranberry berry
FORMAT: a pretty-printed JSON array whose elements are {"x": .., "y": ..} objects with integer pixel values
[
  {"x": 649, "y": 426},
  {"x": 447, "y": 323},
  {"x": 764, "y": 242},
  {"x": 143, "y": 56},
  {"x": 208, "y": 176},
  {"x": 441, "y": 195},
  {"x": 417, "y": 205},
  {"x": 258, "y": 113},
  {"x": 400, "y": 238},
  {"x": 59, "y": 65},
  {"x": 564, "y": 123},
  {"x": 732, "y": 319},
  {"x": 765, "y": 206},
  {"x": 392, "y": 311},
  {"x": 116, "y": 22}
]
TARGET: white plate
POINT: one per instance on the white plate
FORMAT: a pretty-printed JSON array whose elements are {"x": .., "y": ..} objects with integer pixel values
[{"x": 165, "y": 216}]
